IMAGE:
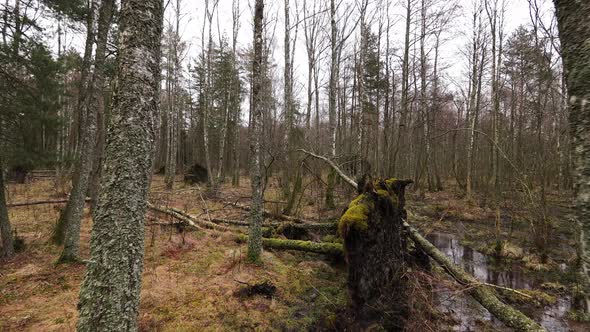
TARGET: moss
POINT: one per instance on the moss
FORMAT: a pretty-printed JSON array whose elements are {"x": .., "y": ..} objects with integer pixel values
[
  {"x": 536, "y": 297},
  {"x": 356, "y": 216},
  {"x": 554, "y": 286},
  {"x": 390, "y": 182},
  {"x": 332, "y": 238},
  {"x": 578, "y": 316}
]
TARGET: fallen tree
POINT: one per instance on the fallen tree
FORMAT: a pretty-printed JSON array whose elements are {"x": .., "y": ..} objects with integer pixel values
[
  {"x": 269, "y": 214},
  {"x": 190, "y": 220},
  {"x": 333, "y": 249},
  {"x": 47, "y": 201},
  {"x": 328, "y": 226},
  {"x": 481, "y": 292}
]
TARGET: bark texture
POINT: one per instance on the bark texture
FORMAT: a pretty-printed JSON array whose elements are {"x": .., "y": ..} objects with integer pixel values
[
  {"x": 109, "y": 296},
  {"x": 574, "y": 32},
  {"x": 375, "y": 248},
  {"x": 255, "y": 231}
]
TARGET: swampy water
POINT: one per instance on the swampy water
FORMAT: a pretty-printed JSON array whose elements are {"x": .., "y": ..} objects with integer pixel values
[{"x": 467, "y": 312}]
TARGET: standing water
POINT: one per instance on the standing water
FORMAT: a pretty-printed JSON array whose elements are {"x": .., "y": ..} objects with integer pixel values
[{"x": 467, "y": 312}]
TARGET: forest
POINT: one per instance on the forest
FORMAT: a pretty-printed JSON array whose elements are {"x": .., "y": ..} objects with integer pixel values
[{"x": 295, "y": 165}]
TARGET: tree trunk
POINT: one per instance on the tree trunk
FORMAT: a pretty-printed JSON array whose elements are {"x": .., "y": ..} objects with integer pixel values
[
  {"x": 375, "y": 251},
  {"x": 5, "y": 228},
  {"x": 75, "y": 207},
  {"x": 255, "y": 231},
  {"x": 236, "y": 102},
  {"x": 59, "y": 231},
  {"x": 332, "y": 102},
  {"x": 109, "y": 296},
  {"x": 401, "y": 135},
  {"x": 574, "y": 31}
]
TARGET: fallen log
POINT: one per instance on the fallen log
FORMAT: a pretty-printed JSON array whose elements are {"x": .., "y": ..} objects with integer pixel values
[
  {"x": 47, "y": 201},
  {"x": 269, "y": 214},
  {"x": 190, "y": 220},
  {"x": 479, "y": 291},
  {"x": 321, "y": 227},
  {"x": 328, "y": 248}
]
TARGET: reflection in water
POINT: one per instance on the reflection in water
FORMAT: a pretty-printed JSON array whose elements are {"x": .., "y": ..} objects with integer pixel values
[{"x": 468, "y": 312}]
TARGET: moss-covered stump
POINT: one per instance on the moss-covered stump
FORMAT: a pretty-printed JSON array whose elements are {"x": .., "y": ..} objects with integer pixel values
[{"x": 375, "y": 251}]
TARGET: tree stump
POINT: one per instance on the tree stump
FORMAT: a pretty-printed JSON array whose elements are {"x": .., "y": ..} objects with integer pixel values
[{"x": 375, "y": 252}]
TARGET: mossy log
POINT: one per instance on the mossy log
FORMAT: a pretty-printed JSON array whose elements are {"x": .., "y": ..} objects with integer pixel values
[
  {"x": 328, "y": 248},
  {"x": 375, "y": 252},
  {"x": 480, "y": 292},
  {"x": 321, "y": 227}
]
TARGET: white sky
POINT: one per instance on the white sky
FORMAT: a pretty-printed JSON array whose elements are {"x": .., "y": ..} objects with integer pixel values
[{"x": 193, "y": 13}]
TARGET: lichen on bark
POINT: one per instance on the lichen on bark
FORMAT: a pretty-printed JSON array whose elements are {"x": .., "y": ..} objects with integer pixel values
[{"x": 110, "y": 292}]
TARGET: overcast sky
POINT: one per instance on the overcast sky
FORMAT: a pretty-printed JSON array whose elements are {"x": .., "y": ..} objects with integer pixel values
[{"x": 452, "y": 58}]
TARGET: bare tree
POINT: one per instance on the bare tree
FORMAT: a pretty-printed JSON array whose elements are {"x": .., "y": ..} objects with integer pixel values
[
  {"x": 236, "y": 87},
  {"x": 75, "y": 207}
]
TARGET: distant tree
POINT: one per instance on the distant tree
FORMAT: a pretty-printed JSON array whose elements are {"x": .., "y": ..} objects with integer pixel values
[{"x": 75, "y": 207}]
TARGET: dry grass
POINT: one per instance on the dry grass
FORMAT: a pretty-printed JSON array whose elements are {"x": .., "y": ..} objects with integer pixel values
[{"x": 189, "y": 280}]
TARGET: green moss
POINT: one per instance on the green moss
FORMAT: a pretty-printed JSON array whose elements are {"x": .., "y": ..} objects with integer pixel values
[
  {"x": 356, "y": 216},
  {"x": 390, "y": 182},
  {"x": 536, "y": 297},
  {"x": 554, "y": 286},
  {"x": 578, "y": 316}
]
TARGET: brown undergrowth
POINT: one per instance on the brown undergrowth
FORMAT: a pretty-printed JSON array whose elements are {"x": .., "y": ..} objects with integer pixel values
[{"x": 191, "y": 280}]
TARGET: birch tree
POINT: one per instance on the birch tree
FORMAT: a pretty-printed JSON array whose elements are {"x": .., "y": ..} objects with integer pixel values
[
  {"x": 574, "y": 32},
  {"x": 110, "y": 292},
  {"x": 255, "y": 229}
]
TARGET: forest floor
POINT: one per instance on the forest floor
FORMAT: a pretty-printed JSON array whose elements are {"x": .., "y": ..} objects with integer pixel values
[{"x": 194, "y": 281}]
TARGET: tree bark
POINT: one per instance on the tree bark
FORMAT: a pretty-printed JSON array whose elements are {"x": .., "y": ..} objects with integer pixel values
[
  {"x": 574, "y": 32},
  {"x": 255, "y": 231},
  {"x": 375, "y": 252},
  {"x": 5, "y": 228},
  {"x": 110, "y": 293}
]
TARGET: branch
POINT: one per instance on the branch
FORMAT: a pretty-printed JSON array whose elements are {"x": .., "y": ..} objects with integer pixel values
[
  {"x": 328, "y": 248},
  {"x": 49, "y": 201},
  {"x": 334, "y": 167}
]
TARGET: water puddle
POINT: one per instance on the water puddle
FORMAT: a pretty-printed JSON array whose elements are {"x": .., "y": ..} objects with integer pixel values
[{"x": 467, "y": 312}]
